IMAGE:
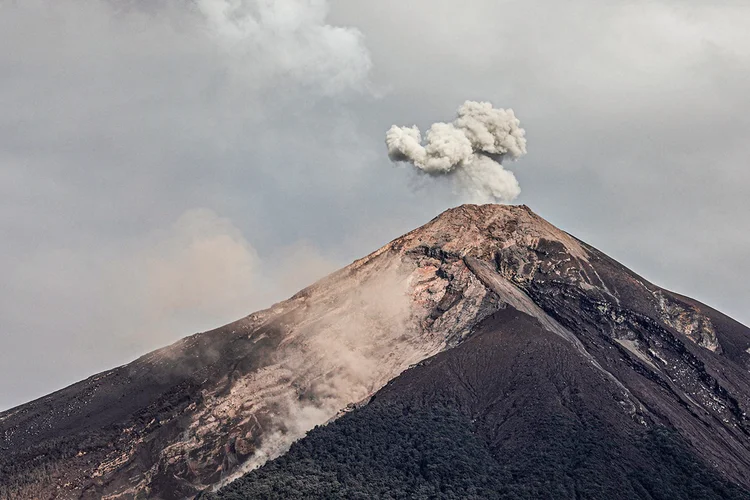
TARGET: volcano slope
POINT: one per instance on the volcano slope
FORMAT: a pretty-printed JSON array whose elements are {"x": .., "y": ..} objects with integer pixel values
[
  {"x": 543, "y": 368},
  {"x": 514, "y": 412}
]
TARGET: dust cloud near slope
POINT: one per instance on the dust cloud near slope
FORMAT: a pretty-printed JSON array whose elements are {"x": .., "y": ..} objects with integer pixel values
[
  {"x": 335, "y": 358},
  {"x": 356, "y": 331}
]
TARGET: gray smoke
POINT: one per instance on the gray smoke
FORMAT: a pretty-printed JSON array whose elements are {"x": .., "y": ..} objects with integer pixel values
[{"x": 470, "y": 149}]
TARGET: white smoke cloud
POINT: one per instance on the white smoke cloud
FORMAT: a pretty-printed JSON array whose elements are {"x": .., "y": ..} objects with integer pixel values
[
  {"x": 289, "y": 38},
  {"x": 470, "y": 149},
  {"x": 484, "y": 179}
]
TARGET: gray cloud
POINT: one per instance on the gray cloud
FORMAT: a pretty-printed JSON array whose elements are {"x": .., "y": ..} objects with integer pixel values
[
  {"x": 119, "y": 118},
  {"x": 289, "y": 39}
]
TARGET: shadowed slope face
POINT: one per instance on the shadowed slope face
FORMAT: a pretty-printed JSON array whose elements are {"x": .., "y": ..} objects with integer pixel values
[
  {"x": 219, "y": 403},
  {"x": 516, "y": 411}
]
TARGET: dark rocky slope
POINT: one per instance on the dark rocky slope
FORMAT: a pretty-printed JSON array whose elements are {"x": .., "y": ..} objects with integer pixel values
[
  {"x": 514, "y": 412},
  {"x": 199, "y": 412}
]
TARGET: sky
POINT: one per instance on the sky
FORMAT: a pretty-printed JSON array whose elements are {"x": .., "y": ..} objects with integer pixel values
[{"x": 167, "y": 167}]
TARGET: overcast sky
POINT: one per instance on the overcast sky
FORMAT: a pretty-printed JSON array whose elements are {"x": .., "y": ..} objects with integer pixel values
[{"x": 167, "y": 167}]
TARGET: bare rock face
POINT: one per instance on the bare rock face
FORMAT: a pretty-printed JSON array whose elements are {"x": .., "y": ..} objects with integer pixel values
[
  {"x": 217, "y": 404},
  {"x": 688, "y": 320}
]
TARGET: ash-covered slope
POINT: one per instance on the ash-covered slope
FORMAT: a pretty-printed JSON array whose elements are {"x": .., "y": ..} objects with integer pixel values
[
  {"x": 190, "y": 415},
  {"x": 614, "y": 352}
]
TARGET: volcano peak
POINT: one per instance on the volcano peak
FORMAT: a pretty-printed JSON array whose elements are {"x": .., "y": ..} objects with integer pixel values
[
  {"x": 524, "y": 327},
  {"x": 482, "y": 230}
]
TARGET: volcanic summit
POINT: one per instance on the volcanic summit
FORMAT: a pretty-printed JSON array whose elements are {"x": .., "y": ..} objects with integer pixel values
[{"x": 486, "y": 354}]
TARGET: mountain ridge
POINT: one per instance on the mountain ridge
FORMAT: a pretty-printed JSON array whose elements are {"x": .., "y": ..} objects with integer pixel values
[
  {"x": 219, "y": 403},
  {"x": 513, "y": 412}
]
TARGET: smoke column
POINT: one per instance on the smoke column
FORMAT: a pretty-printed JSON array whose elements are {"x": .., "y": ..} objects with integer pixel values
[{"x": 470, "y": 150}]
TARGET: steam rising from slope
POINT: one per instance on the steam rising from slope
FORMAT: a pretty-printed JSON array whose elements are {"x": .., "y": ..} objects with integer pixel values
[
  {"x": 333, "y": 356},
  {"x": 471, "y": 149}
]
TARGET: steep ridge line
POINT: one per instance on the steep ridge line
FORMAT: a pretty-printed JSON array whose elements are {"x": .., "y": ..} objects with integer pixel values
[
  {"x": 513, "y": 412},
  {"x": 191, "y": 415},
  {"x": 517, "y": 299}
]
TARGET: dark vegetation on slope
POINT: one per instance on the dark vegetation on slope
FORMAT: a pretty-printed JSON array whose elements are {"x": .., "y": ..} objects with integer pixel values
[
  {"x": 514, "y": 412},
  {"x": 397, "y": 451}
]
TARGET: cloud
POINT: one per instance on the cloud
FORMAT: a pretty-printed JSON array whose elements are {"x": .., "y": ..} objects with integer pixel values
[
  {"x": 290, "y": 39},
  {"x": 199, "y": 273},
  {"x": 485, "y": 180},
  {"x": 470, "y": 149},
  {"x": 118, "y": 117},
  {"x": 298, "y": 265}
]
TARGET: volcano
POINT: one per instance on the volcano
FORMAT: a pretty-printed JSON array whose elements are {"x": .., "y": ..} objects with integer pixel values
[{"x": 486, "y": 354}]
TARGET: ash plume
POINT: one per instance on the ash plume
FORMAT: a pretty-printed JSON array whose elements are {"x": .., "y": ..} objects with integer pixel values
[{"x": 470, "y": 149}]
